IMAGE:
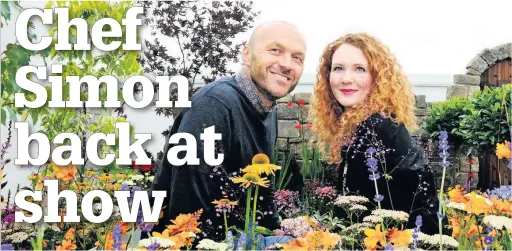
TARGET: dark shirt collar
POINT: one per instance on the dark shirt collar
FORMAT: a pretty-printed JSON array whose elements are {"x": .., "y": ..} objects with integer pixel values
[{"x": 245, "y": 83}]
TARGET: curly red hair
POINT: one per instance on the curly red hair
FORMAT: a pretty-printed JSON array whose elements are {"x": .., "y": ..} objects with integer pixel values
[{"x": 391, "y": 93}]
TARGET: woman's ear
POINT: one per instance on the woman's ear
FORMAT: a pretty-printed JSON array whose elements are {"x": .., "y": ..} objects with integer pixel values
[{"x": 246, "y": 55}]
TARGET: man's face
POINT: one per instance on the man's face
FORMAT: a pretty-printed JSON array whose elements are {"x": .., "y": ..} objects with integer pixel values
[{"x": 277, "y": 61}]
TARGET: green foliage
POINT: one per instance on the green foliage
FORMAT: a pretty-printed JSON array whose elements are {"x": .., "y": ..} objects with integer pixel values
[
  {"x": 447, "y": 116},
  {"x": 486, "y": 122}
]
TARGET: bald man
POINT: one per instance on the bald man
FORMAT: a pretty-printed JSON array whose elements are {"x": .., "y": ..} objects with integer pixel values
[{"x": 242, "y": 109}]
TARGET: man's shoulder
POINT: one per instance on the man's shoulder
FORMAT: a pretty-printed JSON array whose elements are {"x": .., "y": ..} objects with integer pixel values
[{"x": 223, "y": 90}]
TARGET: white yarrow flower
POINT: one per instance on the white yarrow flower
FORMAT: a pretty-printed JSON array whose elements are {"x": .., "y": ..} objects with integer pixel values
[
  {"x": 357, "y": 208},
  {"x": 129, "y": 183},
  {"x": 433, "y": 240},
  {"x": 456, "y": 205},
  {"x": 137, "y": 177},
  {"x": 395, "y": 215},
  {"x": 351, "y": 199},
  {"x": 498, "y": 222},
  {"x": 208, "y": 244},
  {"x": 164, "y": 243}
]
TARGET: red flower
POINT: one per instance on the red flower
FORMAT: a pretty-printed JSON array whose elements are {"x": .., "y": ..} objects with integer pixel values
[
  {"x": 290, "y": 104},
  {"x": 297, "y": 126},
  {"x": 301, "y": 102},
  {"x": 146, "y": 168},
  {"x": 309, "y": 125}
]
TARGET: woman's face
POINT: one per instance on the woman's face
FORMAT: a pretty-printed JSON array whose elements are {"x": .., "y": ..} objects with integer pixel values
[{"x": 350, "y": 77}]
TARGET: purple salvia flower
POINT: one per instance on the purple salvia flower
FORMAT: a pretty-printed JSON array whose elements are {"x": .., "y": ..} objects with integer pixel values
[
  {"x": 378, "y": 197},
  {"x": 371, "y": 162},
  {"x": 147, "y": 228},
  {"x": 7, "y": 247},
  {"x": 488, "y": 240},
  {"x": 375, "y": 176},
  {"x": 242, "y": 241},
  {"x": 154, "y": 246},
  {"x": 118, "y": 237},
  {"x": 229, "y": 239},
  {"x": 125, "y": 187},
  {"x": 415, "y": 234},
  {"x": 371, "y": 150},
  {"x": 444, "y": 163},
  {"x": 389, "y": 247},
  {"x": 419, "y": 221}
]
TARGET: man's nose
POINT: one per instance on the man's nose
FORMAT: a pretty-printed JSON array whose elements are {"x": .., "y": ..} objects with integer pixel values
[{"x": 285, "y": 62}]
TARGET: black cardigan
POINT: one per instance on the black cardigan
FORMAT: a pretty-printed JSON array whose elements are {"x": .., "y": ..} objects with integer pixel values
[
  {"x": 245, "y": 133},
  {"x": 411, "y": 188}
]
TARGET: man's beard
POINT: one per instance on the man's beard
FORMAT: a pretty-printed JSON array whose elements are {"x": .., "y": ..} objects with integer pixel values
[{"x": 267, "y": 94}]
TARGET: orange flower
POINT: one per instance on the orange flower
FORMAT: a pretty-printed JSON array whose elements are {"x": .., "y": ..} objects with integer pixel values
[
  {"x": 70, "y": 234},
  {"x": 400, "y": 238},
  {"x": 473, "y": 230},
  {"x": 224, "y": 204},
  {"x": 457, "y": 195},
  {"x": 314, "y": 240},
  {"x": 476, "y": 204},
  {"x": 67, "y": 245},
  {"x": 64, "y": 173},
  {"x": 500, "y": 206},
  {"x": 374, "y": 236},
  {"x": 301, "y": 102},
  {"x": 125, "y": 226},
  {"x": 503, "y": 150},
  {"x": 185, "y": 223},
  {"x": 290, "y": 104},
  {"x": 455, "y": 225},
  {"x": 183, "y": 239},
  {"x": 297, "y": 244}
]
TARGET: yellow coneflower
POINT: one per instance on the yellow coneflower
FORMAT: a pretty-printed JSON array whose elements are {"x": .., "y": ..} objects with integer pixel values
[
  {"x": 261, "y": 164},
  {"x": 106, "y": 177},
  {"x": 251, "y": 179}
]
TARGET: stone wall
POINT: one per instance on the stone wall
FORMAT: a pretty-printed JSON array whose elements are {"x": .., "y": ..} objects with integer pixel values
[
  {"x": 464, "y": 85},
  {"x": 291, "y": 115}
]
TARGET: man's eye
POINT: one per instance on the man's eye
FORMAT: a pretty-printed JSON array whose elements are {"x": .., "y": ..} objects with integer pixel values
[
  {"x": 274, "y": 50},
  {"x": 298, "y": 58}
]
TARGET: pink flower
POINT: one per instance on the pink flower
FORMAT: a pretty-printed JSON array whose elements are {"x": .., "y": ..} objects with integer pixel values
[{"x": 326, "y": 192}]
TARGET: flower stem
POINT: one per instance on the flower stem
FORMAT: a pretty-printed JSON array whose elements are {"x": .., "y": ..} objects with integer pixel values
[
  {"x": 441, "y": 203},
  {"x": 254, "y": 218},
  {"x": 226, "y": 223},
  {"x": 248, "y": 209}
]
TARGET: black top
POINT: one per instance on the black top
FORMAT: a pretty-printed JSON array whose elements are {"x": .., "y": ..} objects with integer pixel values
[
  {"x": 411, "y": 188},
  {"x": 245, "y": 133}
]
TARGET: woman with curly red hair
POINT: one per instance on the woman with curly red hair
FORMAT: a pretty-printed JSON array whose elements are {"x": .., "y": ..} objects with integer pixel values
[{"x": 362, "y": 110}]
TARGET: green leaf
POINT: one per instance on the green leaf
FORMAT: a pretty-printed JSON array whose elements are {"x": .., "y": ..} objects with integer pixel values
[
  {"x": 6, "y": 11},
  {"x": 12, "y": 115},
  {"x": 3, "y": 116}
]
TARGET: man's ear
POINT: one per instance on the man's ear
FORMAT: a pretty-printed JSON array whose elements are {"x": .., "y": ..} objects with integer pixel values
[{"x": 246, "y": 55}]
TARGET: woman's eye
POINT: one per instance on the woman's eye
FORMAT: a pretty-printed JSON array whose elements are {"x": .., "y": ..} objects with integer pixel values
[
  {"x": 337, "y": 68},
  {"x": 361, "y": 69}
]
